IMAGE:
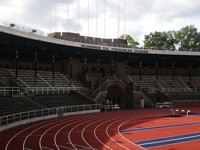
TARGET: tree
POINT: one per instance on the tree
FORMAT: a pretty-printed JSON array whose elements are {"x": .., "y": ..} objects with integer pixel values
[
  {"x": 160, "y": 40},
  {"x": 131, "y": 41},
  {"x": 188, "y": 38}
]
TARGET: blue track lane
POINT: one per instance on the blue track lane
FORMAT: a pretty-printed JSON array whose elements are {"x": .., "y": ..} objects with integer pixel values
[
  {"x": 169, "y": 140},
  {"x": 159, "y": 127}
]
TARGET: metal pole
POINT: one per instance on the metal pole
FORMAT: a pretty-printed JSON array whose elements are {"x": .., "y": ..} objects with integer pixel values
[
  {"x": 96, "y": 19},
  {"x": 126, "y": 68},
  {"x": 98, "y": 67},
  {"x": 156, "y": 71},
  {"x": 118, "y": 18},
  {"x": 88, "y": 17},
  {"x": 16, "y": 65},
  {"x": 190, "y": 72},
  {"x": 53, "y": 68},
  {"x": 85, "y": 65},
  {"x": 70, "y": 70},
  {"x": 67, "y": 16},
  {"x": 35, "y": 67},
  {"x": 173, "y": 71},
  {"x": 104, "y": 18},
  {"x": 140, "y": 71},
  {"x": 124, "y": 18}
]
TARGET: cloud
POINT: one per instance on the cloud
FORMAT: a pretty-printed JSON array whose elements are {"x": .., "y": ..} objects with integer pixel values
[{"x": 134, "y": 17}]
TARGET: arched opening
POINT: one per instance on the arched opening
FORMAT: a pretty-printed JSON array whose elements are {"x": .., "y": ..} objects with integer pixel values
[
  {"x": 102, "y": 71},
  {"x": 117, "y": 95},
  {"x": 94, "y": 70}
]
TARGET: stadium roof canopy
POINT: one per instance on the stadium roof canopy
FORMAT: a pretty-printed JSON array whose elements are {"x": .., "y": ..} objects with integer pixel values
[{"x": 28, "y": 43}]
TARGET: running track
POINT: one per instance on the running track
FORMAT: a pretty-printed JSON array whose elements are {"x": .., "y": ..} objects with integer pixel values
[{"x": 102, "y": 131}]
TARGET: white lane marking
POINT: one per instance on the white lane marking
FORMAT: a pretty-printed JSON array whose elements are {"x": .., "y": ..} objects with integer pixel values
[
  {"x": 73, "y": 122},
  {"x": 111, "y": 137},
  {"x": 82, "y": 133},
  {"x": 32, "y": 126}
]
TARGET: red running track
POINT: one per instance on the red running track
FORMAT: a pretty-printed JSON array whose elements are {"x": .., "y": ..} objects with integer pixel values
[{"x": 98, "y": 131}]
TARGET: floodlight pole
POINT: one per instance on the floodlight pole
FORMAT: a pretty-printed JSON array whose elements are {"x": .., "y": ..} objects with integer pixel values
[
  {"x": 96, "y": 18},
  {"x": 88, "y": 17},
  {"x": 118, "y": 19},
  {"x": 104, "y": 18},
  {"x": 124, "y": 18}
]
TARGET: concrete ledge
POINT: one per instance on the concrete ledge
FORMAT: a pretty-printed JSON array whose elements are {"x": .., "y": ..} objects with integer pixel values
[{"x": 18, "y": 123}]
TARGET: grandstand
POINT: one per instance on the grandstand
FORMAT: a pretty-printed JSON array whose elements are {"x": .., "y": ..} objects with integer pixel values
[{"x": 68, "y": 69}]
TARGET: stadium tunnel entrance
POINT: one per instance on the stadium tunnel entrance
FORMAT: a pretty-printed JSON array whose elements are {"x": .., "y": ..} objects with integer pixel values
[{"x": 118, "y": 94}]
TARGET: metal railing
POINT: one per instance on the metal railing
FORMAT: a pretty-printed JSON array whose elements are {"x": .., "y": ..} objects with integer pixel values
[
  {"x": 176, "y": 89},
  {"x": 9, "y": 90},
  {"x": 22, "y": 28},
  {"x": 186, "y": 101},
  {"x": 47, "y": 90},
  {"x": 59, "y": 111}
]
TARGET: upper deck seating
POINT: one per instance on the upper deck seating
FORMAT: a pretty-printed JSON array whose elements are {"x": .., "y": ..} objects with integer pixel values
[
  {"x": 46, "y": 81},
  {"x": 194, "y": 83},
  {"x": 168, "y": 82},
  {"x": 28, "y": 76},
  {"x": 146, "y": 82},
  {"x": 183, "y": 94},
  {"x": 163, "y": 82},
  {"x": 58, "y": 81}
]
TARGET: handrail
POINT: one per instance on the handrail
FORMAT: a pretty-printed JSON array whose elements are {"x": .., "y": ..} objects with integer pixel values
[
  {"x": 69, "y": 82},
  {"x": 22, "y": 28},
  {"x": 175, "y": 89},
  {"x": 10, "y": 90},
  {"x": 186, "y": 101},
  {"x": 58, "y": 111},
  {"x": 112, "y": 47},
  {"x": 46, "y": 90}
]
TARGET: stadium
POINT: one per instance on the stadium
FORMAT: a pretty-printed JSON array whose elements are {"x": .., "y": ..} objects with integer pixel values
[{"x": 69, "y": 91}]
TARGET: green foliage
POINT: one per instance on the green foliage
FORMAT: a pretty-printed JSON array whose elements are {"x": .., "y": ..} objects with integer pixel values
[
  {"x": 160, "y": 40},
  {"x": 188, "y": 38},
  {"x": 131, "y": 41},
  {"x": 185, "y": 39}
]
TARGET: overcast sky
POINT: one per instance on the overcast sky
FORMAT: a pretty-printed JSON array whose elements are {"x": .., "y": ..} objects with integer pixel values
[{"x": 102, "y": 18}]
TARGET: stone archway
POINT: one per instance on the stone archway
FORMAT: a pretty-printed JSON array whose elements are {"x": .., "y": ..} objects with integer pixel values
[
  {"x": 117, "y": 94},
  {"x": 102, "y": 71}
]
